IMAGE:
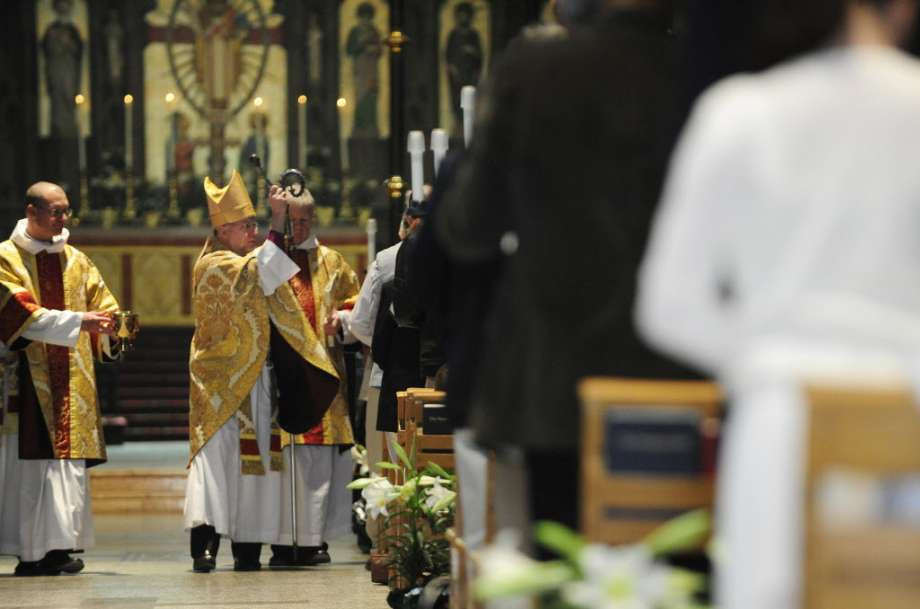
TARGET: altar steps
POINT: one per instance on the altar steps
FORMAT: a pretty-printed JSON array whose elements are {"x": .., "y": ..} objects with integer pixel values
[{"x": 149, "y": 388}]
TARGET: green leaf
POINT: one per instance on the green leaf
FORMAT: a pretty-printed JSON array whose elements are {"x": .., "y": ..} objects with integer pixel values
[
  {"x": 559, "y": 538},
  {"x": 534, "y": 579},
  {"x": 401, "y": 453},
  {"x": 685, "y": 532},
  {"x": 359, "y": 484},
  {"x": 439, "y": 471},
  {"x": 386, "y": 465}
]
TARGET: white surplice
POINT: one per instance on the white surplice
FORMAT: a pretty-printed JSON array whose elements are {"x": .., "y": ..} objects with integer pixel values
[
  {"x": 245, "y": 508},
  {"x": 787, "y": 248}
]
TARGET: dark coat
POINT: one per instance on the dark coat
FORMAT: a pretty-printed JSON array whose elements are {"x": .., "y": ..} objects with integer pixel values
[{"x": 569, "y": 155}]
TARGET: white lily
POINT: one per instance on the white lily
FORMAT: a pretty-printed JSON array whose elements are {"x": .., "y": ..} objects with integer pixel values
[
  {"x": 359, "y": 455},
  {"x": 622, "y": 578},
  {"x": 378, "y": 494},
  {"x": 439, "y": 498}
]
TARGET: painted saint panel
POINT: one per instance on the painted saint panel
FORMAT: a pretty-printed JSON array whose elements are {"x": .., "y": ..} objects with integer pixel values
[
  {"x": 63, "y": 66},
  {"x": 364, "y": 99},
  {"x": 464, "y": 51}
]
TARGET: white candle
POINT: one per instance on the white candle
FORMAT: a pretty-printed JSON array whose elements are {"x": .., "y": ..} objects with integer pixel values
[
  {"x": 371, "y": 240},
  {"x": 416, "y": 148},
  {"x": 439, "y": 146},
  {"x": 129, "y": 134},
  {"x": 302, "y": 131},
  {"x": 80, "y": 100},
  {"x": 468, "y": 104}
]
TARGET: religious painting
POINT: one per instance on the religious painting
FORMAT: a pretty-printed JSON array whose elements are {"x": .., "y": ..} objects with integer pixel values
[
  {"x": 63, "y": 67},
  {"x": 364, "y": 99},
  {"x": 464, "y": 50},
  {"x": 216, "y": 93}
]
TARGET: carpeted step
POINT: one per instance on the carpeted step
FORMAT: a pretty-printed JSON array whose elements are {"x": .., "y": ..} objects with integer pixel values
[
  {"x": 154, "y": 392},
  {"x": 146, "y": 434}
]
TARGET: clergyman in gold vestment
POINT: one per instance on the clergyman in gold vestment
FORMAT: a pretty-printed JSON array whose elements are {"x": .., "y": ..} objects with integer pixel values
[
  {"x": 55, "y": 312},
  {"x": 241, "y": 292}
]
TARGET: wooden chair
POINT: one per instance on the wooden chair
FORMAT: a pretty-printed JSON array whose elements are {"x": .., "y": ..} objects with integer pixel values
[
  {"x": 648, "y": 454},
  {"x": 868, "y": 562}
]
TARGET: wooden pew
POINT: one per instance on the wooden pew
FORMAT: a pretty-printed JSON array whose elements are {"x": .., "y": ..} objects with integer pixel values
[
  {"x": 860, "y": 561},
  {"x": 648, "y": 454}
]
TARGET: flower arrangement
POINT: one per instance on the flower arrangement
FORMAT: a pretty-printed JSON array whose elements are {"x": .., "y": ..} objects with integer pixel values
[
  {"x": 591, "y": 576},
  {"x": 417, "y": 513}
]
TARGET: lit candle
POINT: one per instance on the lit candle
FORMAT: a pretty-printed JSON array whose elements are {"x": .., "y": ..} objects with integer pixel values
[
  {"x": 416, "y": 148},
  {"x": 80, "y": 100},
  {"x": 302, "y": 131},
  {"x": 129, "y": 135},
  {"x": 439, "y": 145}
]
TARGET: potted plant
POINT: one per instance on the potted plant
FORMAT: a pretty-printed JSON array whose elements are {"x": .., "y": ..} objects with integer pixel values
[{"x": 417, "y": 513}]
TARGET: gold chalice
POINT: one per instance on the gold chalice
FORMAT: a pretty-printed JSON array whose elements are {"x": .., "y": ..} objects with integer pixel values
[{"x": 127, "y": 326}]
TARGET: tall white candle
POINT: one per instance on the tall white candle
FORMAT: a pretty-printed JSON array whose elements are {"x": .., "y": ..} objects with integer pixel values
[
  {"x": 80, "y": 101},
  {"x": 416, "y": 149},
  {"x": 439, "y": 146},
  {"x": 468, "y": 105},
  {"x": 302, "y": 131},
  {"x": 129, "y": 134},
  {"x": 371, "y": 240}
]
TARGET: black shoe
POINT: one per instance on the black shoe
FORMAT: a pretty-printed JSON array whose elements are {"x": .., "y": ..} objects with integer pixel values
[
  {"x": 282, "y": 557},
  {"x": 245, "y": 565},
  {"x": 318, "y": 555},
  {"x": 204, "y": 563},
  {"x": 61, "y": 561},
  {"x": 33, "y": 569}
]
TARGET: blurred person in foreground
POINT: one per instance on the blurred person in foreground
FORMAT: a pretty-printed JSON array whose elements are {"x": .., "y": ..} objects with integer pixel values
[
  {"x": 560, "y": 184},
  {"x": 786, "y": 250}
]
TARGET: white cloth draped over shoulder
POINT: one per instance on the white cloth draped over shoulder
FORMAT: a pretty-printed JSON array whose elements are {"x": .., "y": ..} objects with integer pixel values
[{"x": 787, "y": 248}]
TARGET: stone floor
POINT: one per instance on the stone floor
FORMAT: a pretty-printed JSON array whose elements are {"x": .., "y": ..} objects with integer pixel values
[{"x": 142, "y": 562}]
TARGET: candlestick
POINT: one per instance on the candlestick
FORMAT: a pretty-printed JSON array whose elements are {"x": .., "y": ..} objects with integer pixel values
[
  {"x": 439, "y": 146},
  {"x": 468, "y": 104},
  {"x": 416, "y": 148}
]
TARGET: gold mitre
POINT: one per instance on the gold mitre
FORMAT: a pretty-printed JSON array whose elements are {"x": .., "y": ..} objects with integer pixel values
[{"x": 230, "y": 203}]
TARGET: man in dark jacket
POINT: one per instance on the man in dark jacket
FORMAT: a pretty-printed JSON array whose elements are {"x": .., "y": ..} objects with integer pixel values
[{"x": 571, "y": 145}]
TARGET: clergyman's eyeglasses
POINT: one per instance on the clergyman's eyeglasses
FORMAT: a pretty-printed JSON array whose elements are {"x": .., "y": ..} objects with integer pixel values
[{"x": 59, "y": 213}]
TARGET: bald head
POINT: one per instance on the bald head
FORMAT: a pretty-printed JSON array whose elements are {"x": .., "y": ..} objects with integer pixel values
[
  {"x": 38, "y": 193},
  {"x": 47, "y": 210}
]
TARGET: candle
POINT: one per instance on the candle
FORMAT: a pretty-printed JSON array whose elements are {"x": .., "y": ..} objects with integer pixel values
[
  {"x": 468, "y": 103},
  {"x": 416, "y": 148},
  {"x": 80, "y": 100},
  {"x": 129, "y": 134},
  {"x": 439, "y": 145},
  {"x": 371, "y": 240},
  {"x": 302, "y": 130}
]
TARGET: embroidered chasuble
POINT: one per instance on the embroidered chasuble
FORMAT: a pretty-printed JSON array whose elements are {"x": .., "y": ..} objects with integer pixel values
[
  {"x": 324, "y": 284},
  {"x": 234, "y": 322},
  {"x": 58, "y": 407}
]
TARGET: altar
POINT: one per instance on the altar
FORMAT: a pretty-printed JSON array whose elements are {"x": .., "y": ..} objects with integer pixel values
[{"x": 150, "y": 272}]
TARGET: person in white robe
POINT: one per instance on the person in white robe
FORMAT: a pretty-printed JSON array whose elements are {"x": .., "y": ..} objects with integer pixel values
[{"x": 787, "y": 250}]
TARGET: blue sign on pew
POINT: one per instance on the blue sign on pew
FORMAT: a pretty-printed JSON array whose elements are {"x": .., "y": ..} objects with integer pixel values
[{"x": 653, "y": 441}]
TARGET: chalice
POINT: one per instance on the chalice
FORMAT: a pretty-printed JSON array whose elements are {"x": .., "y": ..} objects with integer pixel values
[{"x": 127, "y": 326}]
